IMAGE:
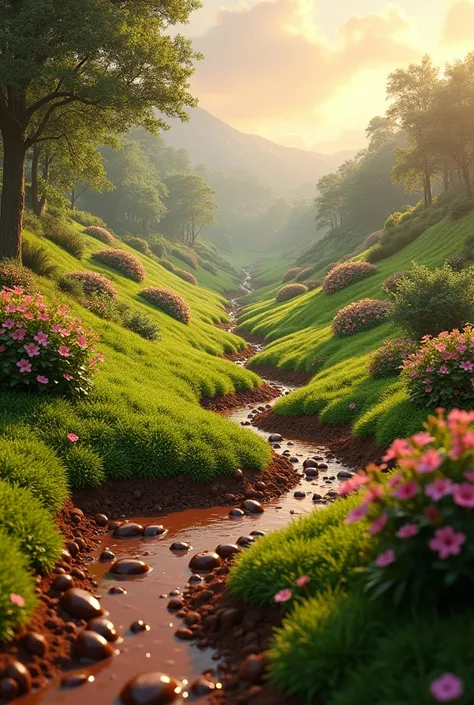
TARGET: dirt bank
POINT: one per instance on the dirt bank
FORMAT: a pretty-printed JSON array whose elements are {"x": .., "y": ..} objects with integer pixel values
[{"x": 248, "y": 396}]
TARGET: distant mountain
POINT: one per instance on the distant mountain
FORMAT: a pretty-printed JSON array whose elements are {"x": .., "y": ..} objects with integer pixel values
[{"x": 220, "y": 147}]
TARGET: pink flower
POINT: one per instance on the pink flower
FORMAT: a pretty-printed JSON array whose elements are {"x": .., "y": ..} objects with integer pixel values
[
  {"x": 406, "y": 490},
  {"x": 17, "y": 600},
  {"x": 423, "y": 438},
  {"x": 429, "y": 462},
  {"x": 464, "y": 495},
  {"x": 447, "y": 688},
  {"x": 354, "y": 483},
  {"x": 42, "y": 380},
  {"x": 352, "y": 405},
  {"x": 467, "y": 366},
  {"x": 9, "y": 323},
  {"x": 2, "y": 348},
  {"x": 444, "y": 370},
  {"x": 82, "y": 342},
  {"x": 385, "y": 559},
  {"x": 41, "y": 338},
  {"x": 67, "y": 376},
  {"x": 447, "y": 542},
  {"x": 24, "y": 366},
  {"x": 283, "y": 595},
  {"x": 379, "y": 524},
  {"x": 11, "y": 308},
  {"x": 438, "y": 489},
  {"x": 32, "y": 349},
  {"x": 72, "y": 437},
  {"x": 18, "y": 334},
  {"x": 407, "y": 531},
  {"x": 357, "y": 514},
  {"x": 373, "y": 493},
  {"x": 64, "y": 351},
  {"x": 398, "y": 449},
  {"x": 432, "y": 513},
  {"x": 99, "y": 357},
  {"x": 43, "y": 317},
  {"x": 469, "y": 475},
  {"x": 304, "y": 580}
]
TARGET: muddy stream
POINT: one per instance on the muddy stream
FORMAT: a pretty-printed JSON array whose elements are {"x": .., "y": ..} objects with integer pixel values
[{"x": 147, "y": 596}]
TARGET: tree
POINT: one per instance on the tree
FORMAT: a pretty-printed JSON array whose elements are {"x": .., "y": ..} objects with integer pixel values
[
  {"x": 113, "y": 55},
  {"x": 191, "y": 206}
]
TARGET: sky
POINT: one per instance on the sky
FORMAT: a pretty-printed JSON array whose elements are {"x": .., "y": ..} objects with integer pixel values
[{"x": 312, "y": 73}]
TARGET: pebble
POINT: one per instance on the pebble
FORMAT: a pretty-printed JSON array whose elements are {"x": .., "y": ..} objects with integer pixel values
[
  {"x": 252, "y": 669},
  {"x": 150, "y": 689},
  {"x": 236, "y": 513},
  {"x": 107, "y": 556},
  {"x": 205, "y": 562},
  {"x": 299, "y": 494},
  {"x": 310, "y": 463},
  {"x": 257, "y": 533},
  {"x": 153, "y": 530},
  {"x": 73, "y": 548},
  {"x": 251, "y": 506},
  {"x": 180, "y": 547},
  {"x": 311, "y": 472},
  {"x": 8, "y": 689},
  {"x": 19, "y": 673},
  {"x": 344, "y": 475},
  {"x": 184, "y": 634},
  {"x": 81, "y": 604},
  {"x": 195, "y": 579},
  {"x": 101, "y": 520},
  {"x": 245, "y": 541},
  {"x": 227, "y": 550},
  {"x": 35, "y": 644},
  {"x": 128, "y": 530},
  {"x": 62, "y": 583},
  {"x": 104, "y": 627},
  {"x": 90, "y": 646},
  {"x": 139, "y": 626},
  {"x": 77, "y": 573},
  {"x": 275, "y": 438},
  {"x": 117, "y": 590},
  {"x": 76, "y": 680},
  {"x": 175, "y": 605},
  {"x": 201, "y": 687},
  {"x": 238, "y": 475},
  {"x": 129, "y": 566}
]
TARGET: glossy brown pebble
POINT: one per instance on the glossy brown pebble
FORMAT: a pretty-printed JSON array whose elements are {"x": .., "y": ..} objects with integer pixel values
[
  {"x": 91, "y": 646},
  {"x": 139, "y": 626},
  {"x": 323, "y": 466},
  {"x": 252, "y": 669},
  {"x": 251, "y": 506},
  {"x": 257, "y": 533},
  {"x": 76, "y": 680},
  {"x": 63, "y": 583},
  {"x": 150, "y": 689},
  {"x": 107, "y": 556},
  {"x": 260, "y": 486},
  {"x": 275, "y": 438},
  {"x": 77, "y": 573},
  {"x": 81, "y": 543},
  {"x": 180, "y": 547},
  {"x": 101, "y": 520},
  {"x": 19, "y": 673},
  {"x": 226, "y": 550},
  {"x": 184, "y": 634},
  {"x": 115, "y": 524},
  {"x": 153, "y": 530},
  {"x": 35, "y": 644},
  {"x": 104, "y": 627},
  {"x": 205, "y": 562},
  {"x": 201, "y": 687},
  {"x": 310, "y": 463},
  {"x": 244, "y": 541},
  {"x": 236, "y": 512},
  {"x": 8, "y": 689},
  {"x": 195, "y": 579},
  {"x": 238, "y": 475},
  {"x": 81, "y": 604},
  {"x": 129, "y": 566},
  {"x": 73, "y": 548},
  {"x": 117, "y": 590},
  {"x": 128, "y": 530},
  {"x": 192, "y": 618},
  {"x": 175, "y": 604},
  {"x": 299, "y": 495},
  {"x": 311, "y": 472}
]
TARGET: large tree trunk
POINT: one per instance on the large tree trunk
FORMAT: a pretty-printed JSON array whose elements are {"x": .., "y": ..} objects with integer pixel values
[{"x": 13, "y": 193}]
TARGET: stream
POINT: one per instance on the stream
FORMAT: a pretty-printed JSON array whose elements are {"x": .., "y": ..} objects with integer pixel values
[{"x": 147, "y": 596}]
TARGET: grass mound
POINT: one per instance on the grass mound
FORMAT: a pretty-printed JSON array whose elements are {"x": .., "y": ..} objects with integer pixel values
[
  {"x": 290, "y": 291},
  {"x": 14, "y": 274},
  {"x": 169, "y": 302},
  {"x": 186, "y": 276},
  {"x": 94, "y": 283},
  {"x": 100, "y": 234},
  {"x": 124, "y": 262},
  {"x": 15, "y": 579}
]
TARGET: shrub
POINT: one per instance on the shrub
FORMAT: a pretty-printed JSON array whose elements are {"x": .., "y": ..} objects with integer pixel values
[
  {"x": 84, "y": 467},
  {"x": 100, "y": 234},
  {"x": 431, "y": 301},
  {"x": 291, "y": 273},
  {"x": 36, "y": 258},
  {"x": 344, "y": 274},
  {"x": 391, "y": 284},
  {"x": 377, "y": 253},
  {"x": 460, "y": 207},
  {"x": 124, "y": 262},
  {"x": 290, "y": 291},
  {"x": 167, "y": 265},
  {"x": 209, "y": 267},
  {"x": 187, "y": 276},
  {"x": 104, "y": 307},
  {"x": 32, "y": 223},
  {"x": 141, "y": 324},
  {"x": 68, "y": 239},
  {"x": 169, "y": 302},
  {"x": 468, "y": 249},
  {"x": 94, "y": 283},
  {"x": 188, "y": 257},
  {"x": 159, "y": 246},
  {"x": 304, "y": 274},
  {"x": 360, "y": 315},
  {"x": 33, "y": 465},
  {"x": 15, "y": 579},
  {"x": 312, "y": 284},
  {"x": 441, "y": 371},
  {"x": 456, "y": 262},
  {"x": 44, "y": 348},
  {"x": 388, "y": 359},
  {"x": 331, "y": 266},
  {"x": 87, "y": 219},
  {"x": 24, "y": 519},
  {"x": 372, "y": 239},
  {"x": 12, "y": 273},
  {"x": 139, "y": 244},
  {"x": 421, "y": 520},
  {"x": 71, "y": 287}
]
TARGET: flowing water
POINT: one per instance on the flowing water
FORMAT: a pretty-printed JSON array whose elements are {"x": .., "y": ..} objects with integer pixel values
[{"x": 147, "y": 596}]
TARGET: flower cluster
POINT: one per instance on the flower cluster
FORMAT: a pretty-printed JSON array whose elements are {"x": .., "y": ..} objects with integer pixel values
[
  {"x": 169, "y": 302},
  {"x": 388, "y": 360},
  {"x": 12, "y": 273},
  {"x": 360, "y": 315},
  {"x": 124, "y": 262},
  {"x": 290, "y": 291},
  {"x": 100, "y": 234},
  {"x": 422, "y": 516},
  {"x": 94, "y": 283},
  {"x": 187, "y": 276},
  {"x": 291, "y": 273},
  {"x": 304, "y": 274},
  {"x": 346, "y": 273},
  {"x": 43, "y": 347},
  {"x": 372, "y": 239},
  {"x": 286, "y": 594},
  {"x": 312, "y": 284},
  {"x": 441, "y": 371},
  {"x": 188, "y": 257},
  {"x": 392, "y": 282}
]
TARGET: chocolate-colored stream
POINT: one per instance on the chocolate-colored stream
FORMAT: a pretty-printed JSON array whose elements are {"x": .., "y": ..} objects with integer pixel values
[{"x": 148, "y": 595}]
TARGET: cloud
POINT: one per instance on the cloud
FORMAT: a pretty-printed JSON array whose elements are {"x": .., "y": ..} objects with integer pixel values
[
  {"x": 271, "y": 59},
  {"x": 459, "y": 23}
]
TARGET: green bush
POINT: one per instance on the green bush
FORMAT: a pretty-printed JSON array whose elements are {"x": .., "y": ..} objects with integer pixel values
[
  {"x": 71, "y": 287},
  {"x": 468, "y": 249},
  {"x": 36, "y": 258},
  {"x": 32, "y": 223},
  {"x": 457, "y": 262},
  {"x": 87, "y": 219},
  {"x": 105, "y": 307},
  {"x": 142, "y": 324},
  {"x": 391, "y": 283},
  {"x": 12, "y": 273},
  {"x": 15, "y": 579},
  {"x": 186, "y": 256},
  {"x": 169, "y": 302},
  {"x": 387, "y": 360},
  {"x": 65, "y": 237},
  {"x": 289, "y": 292},
  {"x": 24, "y": 519},
  {"x": 209, "y": 267},
  {"x": 84, "y": 467},
  {"x": 167, "y": 265},
  {"x": 139, "y": 244},
  {"x": 431, "y": 301},
  {"x": 460, "y": 207},
  {"x": 159, "y": 246},
  {"x": 33, "y": 465}
]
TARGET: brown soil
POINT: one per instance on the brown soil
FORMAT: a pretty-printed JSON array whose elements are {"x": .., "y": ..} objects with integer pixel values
[
  {"x": 356, "y": 452},
  {"x": 250, "y": 337},
  {"x": 241, "y": 355},
  {"x": 248, "y": 396},
  {"x": 49, "y": 620},
  {"x": 139, "y": 497},
  {"x": 293, "y": 377}
]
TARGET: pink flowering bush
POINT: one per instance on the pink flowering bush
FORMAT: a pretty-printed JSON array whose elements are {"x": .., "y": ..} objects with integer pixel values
[
  {"x": 124, "y": 262},
  {"x": 346, "y": 273},
  {"x": 43, "y": 347},
  {"x": 290, "y": 291},
  {"x": 372, "y": 239},
  {"x": 188, "y": 257},
  {"x": 360, "y": 315},
  {"x": 186, "y": 276},
  {"x": 441, "y": 371},
  {"x": 388, "y": 359},
  {"x": 291, "y": 273},
  {"x": 304, "y": 274},
  {"x": 422, "y": 518},
  {"x": 94, "y": 283},
  {"x": 100, "y": 234},
  {"x": 13, "y": 273},
  {"x": 169, "y": 302},
  {"x": 312, "y": 284}
]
